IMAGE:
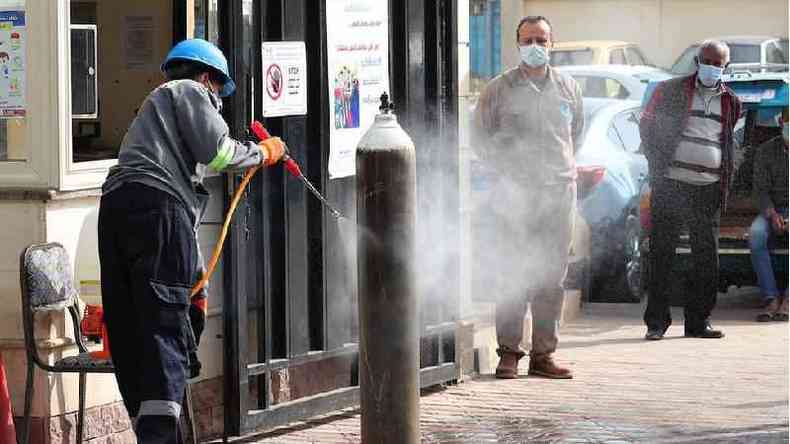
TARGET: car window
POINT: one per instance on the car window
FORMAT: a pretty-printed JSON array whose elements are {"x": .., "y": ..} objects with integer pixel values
[
  {"x": 627, "y": 126},
  {"x": 635, "y": 56},
  {"x": 774, "y": 54},
  {"x": 591, "y": 86},
  {"x": 601, "y": 87},
  {"x": 615, "y": 90},
  {"x": 617, "y": 57},
  {"x": 685, "y": 63},
  {"x": 571, "y": 57},
  {"x": 745, "y": 54}
]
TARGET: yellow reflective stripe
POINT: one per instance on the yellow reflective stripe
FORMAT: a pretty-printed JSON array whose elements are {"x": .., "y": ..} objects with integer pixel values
[{"x": 224, "y": 155}]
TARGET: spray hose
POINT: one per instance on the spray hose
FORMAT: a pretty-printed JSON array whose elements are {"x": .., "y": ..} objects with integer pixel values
[{"x": 292, "y": 167}]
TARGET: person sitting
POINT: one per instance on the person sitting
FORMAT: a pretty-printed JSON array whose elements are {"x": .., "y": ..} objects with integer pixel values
[{"x": 771, "y": 189}]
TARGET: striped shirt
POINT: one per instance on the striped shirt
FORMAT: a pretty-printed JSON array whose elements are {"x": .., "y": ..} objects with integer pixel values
[{"x": 698, "y": 155}]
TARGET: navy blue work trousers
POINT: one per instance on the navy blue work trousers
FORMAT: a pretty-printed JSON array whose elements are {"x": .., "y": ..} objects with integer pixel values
[{"x": 148, "y": 254}]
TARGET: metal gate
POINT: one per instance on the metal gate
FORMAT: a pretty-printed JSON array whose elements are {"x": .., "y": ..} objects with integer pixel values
[{"x": 289, "y": 289}]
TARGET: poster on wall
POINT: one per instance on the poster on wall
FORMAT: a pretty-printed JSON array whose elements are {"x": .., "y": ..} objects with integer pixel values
[
  {"x": 285, "y": 79},
  {"x": 12, "y": 63},
  {"x": 357, "y": 37},
  {"x": 138, "y": 42}
]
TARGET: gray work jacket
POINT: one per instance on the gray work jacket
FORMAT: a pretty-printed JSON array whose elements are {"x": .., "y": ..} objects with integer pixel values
[
  {"x": 178, "y": 127},
  {"x": 528, "y": 131}
]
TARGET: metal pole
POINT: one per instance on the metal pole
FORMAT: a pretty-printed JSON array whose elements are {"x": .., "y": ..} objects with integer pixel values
[{"x": 388, "y": 310}]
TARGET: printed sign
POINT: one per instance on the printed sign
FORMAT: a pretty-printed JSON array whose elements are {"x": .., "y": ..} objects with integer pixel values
[
  {"x": 12, "y": 64},
  {"x": 138, "y": 42},
  {"x": 285, "y": 79},
  {"x": 358, "y": 59}
]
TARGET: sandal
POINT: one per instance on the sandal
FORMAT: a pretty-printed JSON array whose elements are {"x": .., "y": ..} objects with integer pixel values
[
  {"x": 770, "y": 311},
  {"x": 781, "y": 312},
  {"x": 766, "y": 317}
]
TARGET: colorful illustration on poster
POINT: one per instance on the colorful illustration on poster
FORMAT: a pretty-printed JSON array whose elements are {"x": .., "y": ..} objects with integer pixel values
[
  {"x": 5, "y": 64},
  {"x": 346, "y": 97},
  {"x": 12, "y": 64}
]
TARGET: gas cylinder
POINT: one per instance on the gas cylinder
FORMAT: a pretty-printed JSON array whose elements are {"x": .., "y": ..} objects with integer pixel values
[{"x": 389, "y": 316}]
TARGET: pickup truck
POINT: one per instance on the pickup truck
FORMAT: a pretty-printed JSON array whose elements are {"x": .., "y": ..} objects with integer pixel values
[{"x": 764, "y": 92}]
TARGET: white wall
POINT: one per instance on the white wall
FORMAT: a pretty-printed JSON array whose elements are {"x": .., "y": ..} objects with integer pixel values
[{"x": 663, "y": 28}]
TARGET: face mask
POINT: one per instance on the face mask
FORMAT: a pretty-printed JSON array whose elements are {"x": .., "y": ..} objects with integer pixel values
[
  {"x": 709, "y": 75},
  {"x": 534, "y": 56}
]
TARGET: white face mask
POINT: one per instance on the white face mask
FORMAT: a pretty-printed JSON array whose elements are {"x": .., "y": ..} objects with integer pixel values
[
  {"x": 709, "y": 75},
  {"x": 534, "y": 55}
]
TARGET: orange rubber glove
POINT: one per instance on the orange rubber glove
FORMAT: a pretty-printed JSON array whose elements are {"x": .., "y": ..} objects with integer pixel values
[{"x": 273, "y": 150}]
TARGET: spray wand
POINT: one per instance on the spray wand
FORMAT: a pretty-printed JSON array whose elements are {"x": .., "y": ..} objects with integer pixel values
[
  {"x": 261, "y": 133},
  {"x": 293, "y": 168}
]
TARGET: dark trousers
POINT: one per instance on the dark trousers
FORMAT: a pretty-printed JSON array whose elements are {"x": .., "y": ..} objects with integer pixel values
[
  {"x": 674, "y": 205},
  {"x": 148, "y": 255}
]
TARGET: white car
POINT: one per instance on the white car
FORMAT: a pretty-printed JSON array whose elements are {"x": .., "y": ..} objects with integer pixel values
[
  {"x": 614, "y": 81},
  {"x": 745, "y": 52}
]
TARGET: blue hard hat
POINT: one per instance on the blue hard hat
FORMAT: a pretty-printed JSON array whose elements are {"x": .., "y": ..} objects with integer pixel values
[{"x": 202, "y": 51}]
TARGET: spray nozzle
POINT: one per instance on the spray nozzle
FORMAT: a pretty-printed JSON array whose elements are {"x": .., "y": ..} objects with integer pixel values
[{"x": 290, "y": 164}]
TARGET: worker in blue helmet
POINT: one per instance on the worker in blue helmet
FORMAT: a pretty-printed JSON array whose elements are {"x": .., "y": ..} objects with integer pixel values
[{"x": 151, "y": 206}]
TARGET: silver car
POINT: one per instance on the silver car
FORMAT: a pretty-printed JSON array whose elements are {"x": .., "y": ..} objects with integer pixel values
[{"x": 611, "y": 171}]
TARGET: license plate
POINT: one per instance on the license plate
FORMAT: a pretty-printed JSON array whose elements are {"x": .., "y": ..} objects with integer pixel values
[
  {"x": 751, "y": 97},
  {"x": 757, "y": 97}
]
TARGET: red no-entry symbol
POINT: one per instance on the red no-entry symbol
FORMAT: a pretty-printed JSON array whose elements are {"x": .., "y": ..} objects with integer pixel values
[{"x": 274, "y": 81}]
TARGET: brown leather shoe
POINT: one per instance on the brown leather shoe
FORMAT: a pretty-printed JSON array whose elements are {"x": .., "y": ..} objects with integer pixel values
[
  {"x": 508, "y": 365},
  {"x": 544, "y": 366}
]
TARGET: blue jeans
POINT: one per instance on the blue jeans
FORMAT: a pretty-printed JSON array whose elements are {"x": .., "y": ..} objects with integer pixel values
[{"x": 759, "y": 234}]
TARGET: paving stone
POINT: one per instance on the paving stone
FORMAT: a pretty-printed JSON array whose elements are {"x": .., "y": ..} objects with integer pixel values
[{"x": 624, "y": 390}]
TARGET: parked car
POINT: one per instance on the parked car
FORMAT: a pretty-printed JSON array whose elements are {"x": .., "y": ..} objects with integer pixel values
[
  {"x": 764, "y": 94},
  {"x": 597, "y": 52},
  {"x": 744, "y": 50},
  {"x": 614, "y": 81},
  {"x": 611, "y": 173}
]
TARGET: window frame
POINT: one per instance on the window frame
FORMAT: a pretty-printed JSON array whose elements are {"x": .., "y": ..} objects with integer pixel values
[
  {"x": 635, "y": 49},
  {"x": 74, "y": 175}
]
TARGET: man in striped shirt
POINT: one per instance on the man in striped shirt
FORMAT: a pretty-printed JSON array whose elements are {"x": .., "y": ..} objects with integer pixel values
[{"x": 687, "y": 137}]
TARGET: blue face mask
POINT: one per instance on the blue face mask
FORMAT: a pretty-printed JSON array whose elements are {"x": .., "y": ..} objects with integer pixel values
[
  {"x": 534, "y": 56},
  {"x": 709, "y": 75}
]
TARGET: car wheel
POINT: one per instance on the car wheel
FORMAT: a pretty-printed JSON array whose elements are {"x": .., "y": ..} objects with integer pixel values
[
  {"x": 625, "y": 282},
  {"x": 632, "y": 260}
]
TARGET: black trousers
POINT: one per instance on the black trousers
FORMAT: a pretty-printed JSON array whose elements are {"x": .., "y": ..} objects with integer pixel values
[
  {"x": 148, "y": 255},
  {"x": 674, "y": 205}
]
